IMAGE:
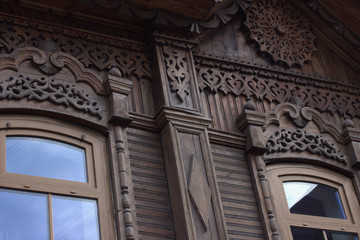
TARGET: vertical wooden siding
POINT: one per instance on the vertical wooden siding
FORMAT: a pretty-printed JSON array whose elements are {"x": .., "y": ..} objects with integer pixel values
[
  {"x": 230, "y": 41},
  {"x": 152, "y": 202},
  {"x": 237, "y": 194}
]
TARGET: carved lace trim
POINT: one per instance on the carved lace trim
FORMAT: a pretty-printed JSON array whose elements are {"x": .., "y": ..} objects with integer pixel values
[{"x": 46, "y": 89}]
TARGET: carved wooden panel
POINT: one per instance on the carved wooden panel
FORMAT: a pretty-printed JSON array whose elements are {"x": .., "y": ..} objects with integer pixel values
[
  {"x": 47, "y": 89},
  {"x": 95, "y": 52},
  {"x": 300, "y": 141},
  {"x": 280, "y": 31},
  {"x": 153, "y": 209},
  {"x": 275, "y": 86},
  {"x": 237, "y": 193},
  {"x": 231, "y": 43}
]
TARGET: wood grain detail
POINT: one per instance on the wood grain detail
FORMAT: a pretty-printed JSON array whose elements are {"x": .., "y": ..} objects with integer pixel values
[
  {"x": 153, "y": 209},
  {"x": 237, "y": 193}
]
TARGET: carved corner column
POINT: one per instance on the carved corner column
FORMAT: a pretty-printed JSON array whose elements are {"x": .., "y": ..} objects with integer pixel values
[
  {"x": 250, "y": 122},
  {"x": 194, "y": 193},
  {"x": 118, "y": 89}
]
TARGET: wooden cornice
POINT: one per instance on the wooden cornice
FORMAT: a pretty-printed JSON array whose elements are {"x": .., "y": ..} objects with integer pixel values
[
  {"x": 346, "y": 11},
  {"x": 330, "y": 36}
]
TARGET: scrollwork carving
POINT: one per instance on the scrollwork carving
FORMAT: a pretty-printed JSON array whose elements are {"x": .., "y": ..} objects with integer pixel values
[
  {"x": 46, "y": 89},
  {"x": 280, "y": 32},
  {"x": 177, "y": 72},
  {"x": 92, "y": 51},
  {"x": 300, "y": 141}
]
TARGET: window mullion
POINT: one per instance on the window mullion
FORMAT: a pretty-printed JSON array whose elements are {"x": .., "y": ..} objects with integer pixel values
[
  {"x": 51, "y": 223},
  {"x": 324, "y": 234}
]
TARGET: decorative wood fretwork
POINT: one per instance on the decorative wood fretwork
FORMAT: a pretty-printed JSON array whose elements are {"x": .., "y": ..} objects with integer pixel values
[
  {"x": 98, "y": 52},
  {"x": 280, "y": 32},
  {"x": 177, "y": 72},
  {"x": 300, "y": 141},
  {"x": 276, "y": 86},
  {"x": 47, "y": 89}
]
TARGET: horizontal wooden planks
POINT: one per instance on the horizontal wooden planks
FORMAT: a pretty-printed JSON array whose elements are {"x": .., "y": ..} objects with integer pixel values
[
  {"x": 237, "y": 194},
  {"x": 152, "y": 202}
]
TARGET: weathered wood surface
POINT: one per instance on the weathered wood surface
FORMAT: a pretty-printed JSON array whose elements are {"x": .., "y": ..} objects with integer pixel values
[
  {"x": 231, "y": 42},
  {"x": 152, "y": 202},
  {"x": 237, "y": 193}
]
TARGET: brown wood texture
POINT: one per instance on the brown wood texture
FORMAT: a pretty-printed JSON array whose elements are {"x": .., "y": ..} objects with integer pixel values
[
  {"x": 237, "y": 193},
  {"x": 231, "y": 41},
  {"x": 152, "y": 202}
]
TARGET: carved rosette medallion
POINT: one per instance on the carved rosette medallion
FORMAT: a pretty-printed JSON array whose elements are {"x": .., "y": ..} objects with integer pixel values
[
  {"x": 280, "y": 32},
  {"x": 300, "y": 141}
]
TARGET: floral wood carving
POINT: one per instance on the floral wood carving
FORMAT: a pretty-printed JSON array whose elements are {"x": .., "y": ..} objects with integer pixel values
[
  {"x": 280, "y": 32},
  {"x": 177, "y": 71},
  {"x": 261, "y": 83},
  {"x": 93, "y": 51},
  {"x": 45, "y": 89},
  {"x": 300, "y": 141}
]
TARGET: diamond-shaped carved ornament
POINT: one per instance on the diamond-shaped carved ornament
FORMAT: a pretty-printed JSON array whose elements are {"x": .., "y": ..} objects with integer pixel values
[
  {"x": 280, "y": 32},
  {"x": 200, "y": 193}
]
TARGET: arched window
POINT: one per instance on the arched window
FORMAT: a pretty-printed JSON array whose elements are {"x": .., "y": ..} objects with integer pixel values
[
  {"x": 314, "y": 203},
  {"x": 54, "y": 181}
]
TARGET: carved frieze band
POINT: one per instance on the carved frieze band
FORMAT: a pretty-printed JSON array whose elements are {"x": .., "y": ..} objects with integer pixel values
[
  {"x": 47, "y": 89},
  {"x": 92, "y": 51},
  {"x": 276, "y": 86},
  {"x": 177, "y": 71},
  {"x": 300, "y": 141}
]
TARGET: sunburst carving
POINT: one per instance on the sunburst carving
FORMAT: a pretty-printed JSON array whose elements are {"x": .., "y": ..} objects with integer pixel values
[{"x": 280, "y": 32}]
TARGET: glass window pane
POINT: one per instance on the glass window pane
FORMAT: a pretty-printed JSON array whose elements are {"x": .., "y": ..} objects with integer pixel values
[
  {"x": 45, "y": 158},
  {"x": 340, "y": 236},
  {"x": 23, "y": 215},
  {"x": 75, "y": 218},
  {"x": 313, "y": 199},
  {"x": 306, "y": 234}
]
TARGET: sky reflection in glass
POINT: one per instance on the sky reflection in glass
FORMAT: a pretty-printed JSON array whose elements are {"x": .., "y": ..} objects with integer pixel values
[
  {"x": 75, "y": 219},
  {"x": 23, "y": 215},
  {"x": 45, "y": 158},
  {"x": 313, "y": 199}
]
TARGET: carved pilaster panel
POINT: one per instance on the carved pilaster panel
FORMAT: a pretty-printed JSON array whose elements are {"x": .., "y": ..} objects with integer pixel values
[
  {"x": 194, "y": 193},
  {"x": 177, "y": 73}
]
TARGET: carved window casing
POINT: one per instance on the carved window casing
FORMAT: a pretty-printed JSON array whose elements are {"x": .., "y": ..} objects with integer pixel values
[
  {"x": 93, "y": 188},
  {"x": 347, "y": 225}
]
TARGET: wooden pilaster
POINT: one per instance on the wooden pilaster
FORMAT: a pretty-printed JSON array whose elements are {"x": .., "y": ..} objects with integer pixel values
[{"x": 194, "y": 192}]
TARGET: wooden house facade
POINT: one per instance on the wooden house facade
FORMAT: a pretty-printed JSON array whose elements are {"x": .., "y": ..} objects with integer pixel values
[{"x": 232, "y": 119}]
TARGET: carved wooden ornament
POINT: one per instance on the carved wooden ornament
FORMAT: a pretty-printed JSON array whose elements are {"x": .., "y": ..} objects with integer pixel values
[
  {"x": 280, "y": 32},
  {"x": 300, "y": 141},
  {"x": 200, "y": 193}
]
